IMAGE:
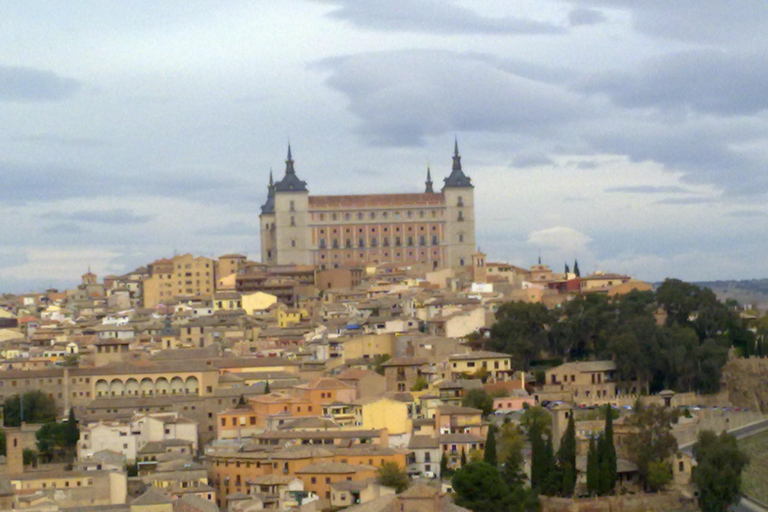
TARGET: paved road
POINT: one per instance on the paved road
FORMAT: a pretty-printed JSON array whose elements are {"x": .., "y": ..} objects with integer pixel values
[{"x": 747, "y": 505}]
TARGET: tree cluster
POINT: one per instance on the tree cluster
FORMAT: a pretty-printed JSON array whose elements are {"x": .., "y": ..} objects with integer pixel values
[
  {"x": 717, "y": 474},
  {"x": 38, "y": 408},
  {"x": 58, "y": 441},
  {"x": 481, "y": 485},
  {"x": 392, "y": 475},
  {"x": 686, "y": 352},
  {"x": 601, "y": 460},
  {"x": 651, "y": 444}
]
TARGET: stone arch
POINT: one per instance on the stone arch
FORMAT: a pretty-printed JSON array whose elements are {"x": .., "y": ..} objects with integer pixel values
[
  {"x": 162, "y": 387},
  {"x": 116, "y": 388},
  {"x": 146, "y": 386},
  {"x": 102, "y": 388},
  {"x": 177, "y": 386},
  {"x": 132, "y": 387},
  {"x": 192, "y": 385}
]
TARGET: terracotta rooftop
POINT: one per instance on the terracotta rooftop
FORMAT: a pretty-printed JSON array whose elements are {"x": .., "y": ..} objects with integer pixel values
[{"x": 376, "y": 200}]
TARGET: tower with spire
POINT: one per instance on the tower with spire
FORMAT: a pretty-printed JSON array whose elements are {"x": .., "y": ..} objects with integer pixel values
[
  {"x": 431, "y": 228},
  {"x": 428, "y": 183},
  {"x": 459, "y": 197}
]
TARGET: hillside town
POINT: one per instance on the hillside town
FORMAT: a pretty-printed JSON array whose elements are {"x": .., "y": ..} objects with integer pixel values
[{"x": 225, "y": 384}]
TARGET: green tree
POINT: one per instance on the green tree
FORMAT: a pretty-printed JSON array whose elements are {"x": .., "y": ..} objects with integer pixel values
[
  {"x": 479, "y": 487},
  {"x": 539, "y": 463},
  {"x": 553, "y": 478},
  {"x": 576, "y": 268},
  {"x": 392, "y": 475},
  {"x": 593, "y": 468},
  {"x": 378, "y": 363},
  {"x": 71, "y": 432},
  {"x": 607, "y": 456},
  {"x": 419, "y": 384},
  {"x": 566, "y": 459},
  {"x": 2, "y": 442},
  {"x": 444, "y": 466},
  {"x": 50, "y": 441},
  {"x": 489, "y": 455},
  {"x": 650, "y": 439},
  {"x": 29, "y": 457},
  {"x": 478, "y": 399},
  {"x": 537, "y": 417},
  {"x": 266, "y": 388},
  {"x": 38, "y": 408},
  {"x": 717, "y": 474},
  {"x": 71, "y": 360},
  {"x": 659, "y": 475},
  {"x": 522, "y": 330},
  {"x": 567, "y": 270},
  {"x": 463, "y": 457}
]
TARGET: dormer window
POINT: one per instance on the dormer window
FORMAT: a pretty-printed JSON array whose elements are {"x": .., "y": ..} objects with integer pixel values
[{"x": 460, "y": 201}]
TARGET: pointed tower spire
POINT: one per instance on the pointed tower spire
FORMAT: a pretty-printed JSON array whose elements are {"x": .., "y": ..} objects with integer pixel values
[
  {"x": 457, "y": 178},
  {"x": 289, "y": 162},
  {"x": 290, "y": 182},
  {"x": 429, "y": 189},
  {"x": 269, "y": 205}
]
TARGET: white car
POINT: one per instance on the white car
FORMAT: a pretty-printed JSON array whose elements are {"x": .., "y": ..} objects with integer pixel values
[{"x": 429, "y": 474}]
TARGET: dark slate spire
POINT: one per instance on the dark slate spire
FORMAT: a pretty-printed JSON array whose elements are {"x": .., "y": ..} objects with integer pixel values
[
  {"x": 290, "y": 182},
  {"x": 429, "y": 189},
  {"x": 457, "y": 178},
  {"x": 269, "y": 206}
]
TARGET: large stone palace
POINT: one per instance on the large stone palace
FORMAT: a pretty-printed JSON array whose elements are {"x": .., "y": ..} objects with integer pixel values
[{"x": 433, "y": 228}]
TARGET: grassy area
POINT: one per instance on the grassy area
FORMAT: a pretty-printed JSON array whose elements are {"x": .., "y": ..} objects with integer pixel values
[{"x": 755, "y": 477}]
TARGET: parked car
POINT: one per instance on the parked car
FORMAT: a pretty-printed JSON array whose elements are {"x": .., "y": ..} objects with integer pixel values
[{"x": 429, "y": 474}]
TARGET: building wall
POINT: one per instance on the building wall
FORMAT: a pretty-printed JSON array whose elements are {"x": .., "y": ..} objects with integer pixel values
[
  {"x": 389, "y": 414},
  {"x": 184, "y": 275}
]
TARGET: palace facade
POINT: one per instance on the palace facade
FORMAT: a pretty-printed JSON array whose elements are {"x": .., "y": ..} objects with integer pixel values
[{"x": 432, "y": 228}]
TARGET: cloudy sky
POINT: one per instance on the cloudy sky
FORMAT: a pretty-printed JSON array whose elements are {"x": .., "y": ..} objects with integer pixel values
[{"x": 630, "y": 135}]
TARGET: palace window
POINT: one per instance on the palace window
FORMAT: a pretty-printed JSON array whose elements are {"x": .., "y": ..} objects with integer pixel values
[
  {"x": 410, "y": 240},
  {"x": 361, "y": 242},
  {"x": 422, "y": 240},
  {"x": 461, "y": 216},
  {"x": 397, "y": 241},
  {"x": 434, "y": 239},
  {"x": 360, "y": 216},
  {"x": 322, "y": 243}
]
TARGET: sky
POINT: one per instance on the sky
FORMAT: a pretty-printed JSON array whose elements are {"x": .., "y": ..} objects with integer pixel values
[{"x": 628, "y": 135}]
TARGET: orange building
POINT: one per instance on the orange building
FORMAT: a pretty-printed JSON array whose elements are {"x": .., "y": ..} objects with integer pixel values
[
  {"x": 319, "y": 476},
  {"x": 327, "y": 390},
  {"x": 263, "y": 411}
]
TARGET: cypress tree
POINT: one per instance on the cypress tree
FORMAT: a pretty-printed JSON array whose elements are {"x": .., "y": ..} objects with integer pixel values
[
  {"x": 567, "y": 270},
  {"x": 566, "y": 459},
  {"x": 538, "y": 458},
  {"x": 576, "y": 268},
  {"x": 593, "y": 468},
  {"x": 551, "y": 478},
  {"x": 443, "y": 466},
  {"x": 489, "y": 455},
  {"x": 266, "y": 388},
  {"x": 463, "y": 457},
  {"x": 607, "y": 456},
  {"x": 71, "y": 431}
]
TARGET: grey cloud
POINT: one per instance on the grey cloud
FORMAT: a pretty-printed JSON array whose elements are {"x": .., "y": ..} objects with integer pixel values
[
  {"x": 649, "y": 189},
  {"x": 21, "y": 84},
  {"x": 582, "y": 16},
  {"x": 747, "y": 214},
  {"x": 694, "y": 20},
  {"x": 531, "y": 159},
  {"x": 229, "y": 229},
  {"x": 64, "y": 228},
  {"x": 113, "y": 216},
  {"x": 13, "y": 259},
  {"x": 59, "y": 140},
  {"x": 431, "y": 16},
  {"x": 586, "y": 165},
  {"x": 403, "y": 96},
  {"x": 705, "y": 80},
  {"x": 20, "y": 184},
  {"x": 687, "y": 200}
]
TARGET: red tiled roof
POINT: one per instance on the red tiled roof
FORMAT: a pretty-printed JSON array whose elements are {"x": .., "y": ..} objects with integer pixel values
[{"x": 376, "y": 200}]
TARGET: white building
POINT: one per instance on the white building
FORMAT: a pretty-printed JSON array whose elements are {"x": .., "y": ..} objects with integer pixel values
[{"x": 129, "y": 437}]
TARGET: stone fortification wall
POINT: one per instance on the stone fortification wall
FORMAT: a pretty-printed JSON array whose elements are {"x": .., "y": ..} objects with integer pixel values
[
  {"x": 659, "y": 502},
  {"x": 687, "y": 429},
  {"x": 747, "y": 382}
]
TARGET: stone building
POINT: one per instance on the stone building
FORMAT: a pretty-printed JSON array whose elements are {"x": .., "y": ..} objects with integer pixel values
[{"x": 432, "y": 228}]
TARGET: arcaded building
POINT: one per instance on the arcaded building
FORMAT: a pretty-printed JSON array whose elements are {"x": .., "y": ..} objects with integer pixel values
[{"x": 434, "y": 228}]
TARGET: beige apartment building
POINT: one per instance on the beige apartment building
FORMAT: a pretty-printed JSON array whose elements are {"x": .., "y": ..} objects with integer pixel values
[
  {"x": 184, "y": 275},
  {"x": 431, "y": 228}
]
